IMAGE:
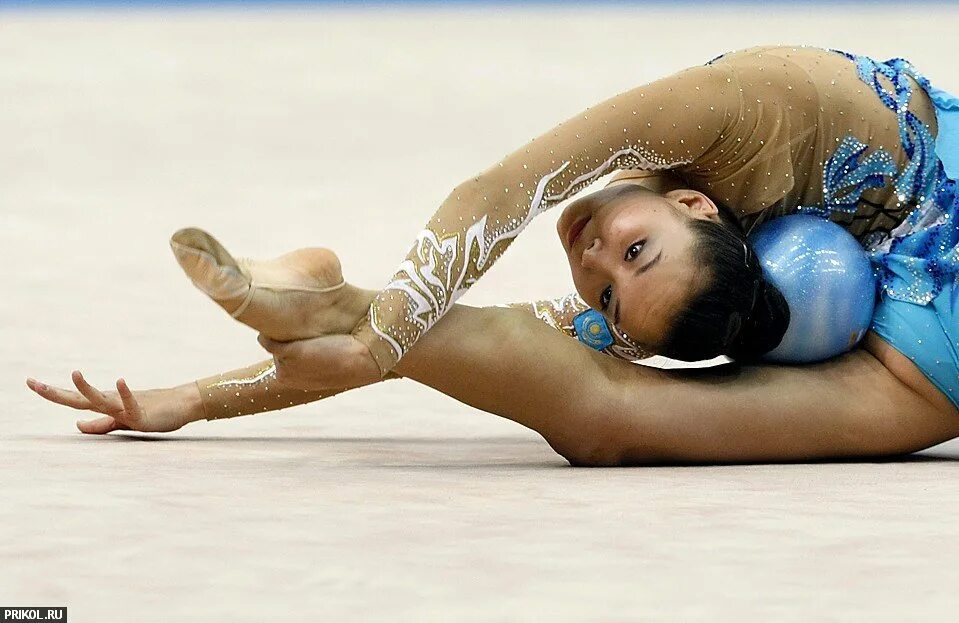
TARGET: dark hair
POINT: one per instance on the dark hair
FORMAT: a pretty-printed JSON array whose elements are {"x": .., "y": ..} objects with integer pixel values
[{"x": 736, "y": 311}]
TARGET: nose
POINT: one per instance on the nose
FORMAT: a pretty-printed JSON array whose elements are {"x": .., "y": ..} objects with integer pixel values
[{"x": 592, "y": 254}]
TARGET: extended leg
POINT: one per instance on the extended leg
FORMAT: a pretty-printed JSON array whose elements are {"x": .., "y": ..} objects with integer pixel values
[{"x": 596, "y": 410}]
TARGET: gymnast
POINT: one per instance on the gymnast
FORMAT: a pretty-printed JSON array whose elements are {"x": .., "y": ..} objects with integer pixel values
[{"x": 661, "y": 264}]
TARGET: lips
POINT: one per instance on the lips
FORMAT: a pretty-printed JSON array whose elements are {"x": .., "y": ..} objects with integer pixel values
[{"x": 575, "y": 230}]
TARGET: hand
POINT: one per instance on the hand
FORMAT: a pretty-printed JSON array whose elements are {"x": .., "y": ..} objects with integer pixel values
[
  {"x": 328, "y": 362},
  {"x": 149, "y": 411}
]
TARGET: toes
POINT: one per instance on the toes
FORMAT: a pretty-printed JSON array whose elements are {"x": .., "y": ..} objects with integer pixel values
[
  {"x": 209, "y": 265},
  {"x": 198, "y": 239},
  {"x": 203, "y": 243}
]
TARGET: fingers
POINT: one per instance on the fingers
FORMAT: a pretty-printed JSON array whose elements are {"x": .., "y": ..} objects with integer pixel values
[
  {"x": 99, "y": 426},
  {"x": 99, "y": 401},
  {"x": 63, "y": 397},
  {"x": 133, "y": 412},
  {"x": 92, "y": 399}
]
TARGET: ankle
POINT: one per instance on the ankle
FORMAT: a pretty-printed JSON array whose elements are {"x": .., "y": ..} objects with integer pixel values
[
  {"x": 348, "y": 308},
  {"x": 363, "y": 298},
  {"x": 356, "y": 301}
]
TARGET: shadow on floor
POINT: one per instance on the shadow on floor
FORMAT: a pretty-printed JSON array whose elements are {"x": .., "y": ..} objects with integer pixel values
[{"x": 517, "y": 452}]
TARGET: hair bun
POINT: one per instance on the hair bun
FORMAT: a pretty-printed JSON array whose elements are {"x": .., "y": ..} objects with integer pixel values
[{"x": 762, "y": 328}]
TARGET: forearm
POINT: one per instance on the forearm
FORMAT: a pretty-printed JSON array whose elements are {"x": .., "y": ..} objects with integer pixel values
[{"x": 253, "y": 389}]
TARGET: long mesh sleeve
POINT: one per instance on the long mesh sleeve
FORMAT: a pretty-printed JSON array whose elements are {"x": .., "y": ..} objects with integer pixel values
[{"x": 668, "y": 124}]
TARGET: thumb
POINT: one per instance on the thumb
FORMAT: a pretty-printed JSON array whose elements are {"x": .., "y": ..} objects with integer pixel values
[{"x": 98, "y": 426}]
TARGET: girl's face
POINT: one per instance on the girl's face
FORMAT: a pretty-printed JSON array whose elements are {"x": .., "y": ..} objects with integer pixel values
[{"x": 631, "y": 254}]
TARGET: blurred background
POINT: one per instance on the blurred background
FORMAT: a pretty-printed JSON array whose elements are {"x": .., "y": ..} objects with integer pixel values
[
  {"x": 344, "y": 124},
  {"x": 339, "y": 124}
]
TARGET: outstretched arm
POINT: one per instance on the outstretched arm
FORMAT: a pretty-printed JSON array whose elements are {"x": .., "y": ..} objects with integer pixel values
[{"x": 672, "y": 123}]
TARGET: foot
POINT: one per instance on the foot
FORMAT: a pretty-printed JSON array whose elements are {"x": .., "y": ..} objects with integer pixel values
[{"x": 297, "y": 295}]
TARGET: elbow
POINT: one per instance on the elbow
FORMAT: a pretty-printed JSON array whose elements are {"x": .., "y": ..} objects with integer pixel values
[{"x": 481, "y": 189}]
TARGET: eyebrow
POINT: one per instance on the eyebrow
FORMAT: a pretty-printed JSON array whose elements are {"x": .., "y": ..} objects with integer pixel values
[
  {"x": 646, "y": 266},
  {"x": 639, "y": 270}
]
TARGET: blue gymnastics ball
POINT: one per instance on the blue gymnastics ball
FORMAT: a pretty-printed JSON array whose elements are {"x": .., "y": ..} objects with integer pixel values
[{"x": 827, "y": 280}]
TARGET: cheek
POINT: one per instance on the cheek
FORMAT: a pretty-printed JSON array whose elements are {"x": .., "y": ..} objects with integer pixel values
[
  {"x": 633, "y": 322},
  {"x": 584, "y": 284},
  {"x": 650, "y": 316}
]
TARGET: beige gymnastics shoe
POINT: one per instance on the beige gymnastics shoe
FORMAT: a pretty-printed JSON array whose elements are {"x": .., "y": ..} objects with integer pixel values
[{"x": 297, "y": 295}]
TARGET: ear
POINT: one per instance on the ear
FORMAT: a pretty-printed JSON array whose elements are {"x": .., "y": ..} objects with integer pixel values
[{"x": 694, "y": 203}]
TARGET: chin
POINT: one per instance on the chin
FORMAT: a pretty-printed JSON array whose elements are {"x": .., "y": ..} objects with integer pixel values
[
  {"x": 570, "y": 213},
  {"x": 562, "y": 225}
]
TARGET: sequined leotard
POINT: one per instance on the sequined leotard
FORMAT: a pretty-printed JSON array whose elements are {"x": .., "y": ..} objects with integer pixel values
[{"x": 767, "y": 131}]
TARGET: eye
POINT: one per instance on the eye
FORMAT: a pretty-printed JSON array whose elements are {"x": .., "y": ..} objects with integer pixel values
[
  {"x": 605, "y": 297},
  {"x": 634, "y": 250}
]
